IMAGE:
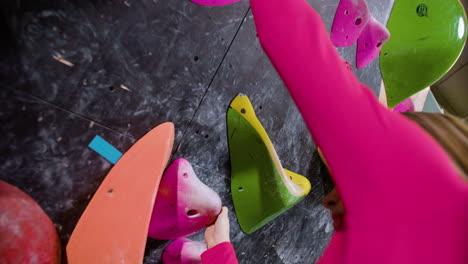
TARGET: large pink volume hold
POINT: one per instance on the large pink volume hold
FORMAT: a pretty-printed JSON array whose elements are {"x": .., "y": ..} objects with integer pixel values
[
  {"x": 350, "y": 19},
  {"x": 214, "y": 2},
  {"x": 184, "y": 205}
]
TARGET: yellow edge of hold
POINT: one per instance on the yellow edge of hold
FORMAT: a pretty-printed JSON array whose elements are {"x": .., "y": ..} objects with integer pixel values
[
  {"x": 300, "y": 180},
  {"x": 296, "y": 184}
]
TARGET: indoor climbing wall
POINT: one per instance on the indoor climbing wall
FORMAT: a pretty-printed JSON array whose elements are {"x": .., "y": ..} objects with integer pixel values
[{"x": 71, "y": 70}]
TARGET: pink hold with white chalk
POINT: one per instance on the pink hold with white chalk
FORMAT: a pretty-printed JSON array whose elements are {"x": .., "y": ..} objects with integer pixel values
[
  {"x": 184, "y": 205},
  {"x": 183, "y": 251}
]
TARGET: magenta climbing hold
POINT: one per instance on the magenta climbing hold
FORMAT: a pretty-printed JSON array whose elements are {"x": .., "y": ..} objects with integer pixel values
[
  {"x": 351, "y": 17},
  {"x": 183, "y": 251},
  {"x": 214, "y": 2},
  {"x": 184, "y": 205},
  {"x": 405, "y": 106},
  {"x": 370, "y": 42}
]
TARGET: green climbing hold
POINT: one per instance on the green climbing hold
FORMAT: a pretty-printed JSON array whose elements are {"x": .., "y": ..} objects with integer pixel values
[
  {"x": 261, "y": 189},
  {"x": 428, "y": 36}
]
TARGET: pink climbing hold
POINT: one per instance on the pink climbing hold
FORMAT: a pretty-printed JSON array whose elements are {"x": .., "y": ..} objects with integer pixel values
[
  {"x": 370, "y": 42},
  {"x": 214, "y": 2},
  {"x": 183, "y": 251},
  {"x": 405, "y": 106},
  {"x": 184, "y": 205},
  {"x": 351, "y": 17}
]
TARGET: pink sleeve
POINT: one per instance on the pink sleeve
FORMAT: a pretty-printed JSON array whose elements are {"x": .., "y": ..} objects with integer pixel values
[
  {"x": 354, "y": 131},
  {"x": 381, "y": 162},
  {"x": 221, "y": 253},
  {"x": 334, "y": 104}
]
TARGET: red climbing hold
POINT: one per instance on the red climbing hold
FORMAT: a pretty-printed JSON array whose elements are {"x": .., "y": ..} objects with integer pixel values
[{"x": 27, "y": 235}]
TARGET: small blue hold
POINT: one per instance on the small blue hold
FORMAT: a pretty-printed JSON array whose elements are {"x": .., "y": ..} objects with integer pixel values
[{"x": 105, "y": 149}]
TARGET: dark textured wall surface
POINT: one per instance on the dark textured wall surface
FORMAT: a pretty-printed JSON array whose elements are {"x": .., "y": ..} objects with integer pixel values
[{"x": 73, "y": 69}]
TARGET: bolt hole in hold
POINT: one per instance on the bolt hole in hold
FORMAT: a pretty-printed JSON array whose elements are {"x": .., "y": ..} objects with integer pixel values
[
  {"x": 346, "y": 12},
  {"x": 240, "y": 189},
  {"x": 192, "y": 213},
  {"x": 358, "y": 21},
  {"x": 421, "y": 10},
  {"x": 243, "y": 111},
  {"x": 366, "y": 44},
  {"x": 290, "y": 177},
  {"x": 111, "y": 190},
  {"x": 111, "y": 88},
  {"x": 347, "y": 37},
  {"x": 185, "y": 175},
  {"x": 196, "y": 58},
  {"x": 379, "y": 44},
  {"x": 385, "y": 54}
]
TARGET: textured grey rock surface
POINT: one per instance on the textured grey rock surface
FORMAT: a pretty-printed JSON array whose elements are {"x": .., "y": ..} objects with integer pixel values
[
  {"x": 44, "y": 153},
  {"x": 182, "y": 63},
  {"x": 164, "y": 52},
  {"x": 301, "y": 234}
]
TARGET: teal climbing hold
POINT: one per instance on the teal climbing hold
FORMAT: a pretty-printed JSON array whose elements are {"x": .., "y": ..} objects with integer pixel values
[{"x": 105, "y": 149}]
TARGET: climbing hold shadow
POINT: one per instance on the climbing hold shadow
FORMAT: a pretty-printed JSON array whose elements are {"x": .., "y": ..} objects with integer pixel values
[
  {"x": 261, "y": 189},
  {"x": 114, "y": 226},
  {"x": 27, "y": 235},
  {"x": 184, "y": 205},
  {"x": 370, "y": 42},
  {"x": 183, "y": 251},
  {"x": 427, "y": 39},
  {"x": 351, "y": 18},
  {"x": 214, "y": 2}
]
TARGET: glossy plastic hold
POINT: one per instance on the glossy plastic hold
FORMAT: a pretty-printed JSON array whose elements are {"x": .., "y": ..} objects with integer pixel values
[
  {"x": 27, "y": 235},
  {"x": 370, "y": 42},
  {"x": 105, "y": 149},
  {"x": 427, "y": 39},
  {"x": 261, "y": 188},
  {"x": 184, "y": 205},
  {"x": 351, "y": 17},
  {"x": 405, "y": 106},
  {"x": 114, "y": 226},
  {"x": 214, "y": 2},
  {"x": 183, "y": 251}
]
